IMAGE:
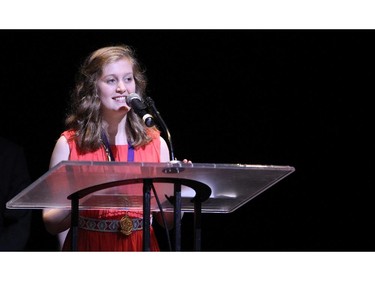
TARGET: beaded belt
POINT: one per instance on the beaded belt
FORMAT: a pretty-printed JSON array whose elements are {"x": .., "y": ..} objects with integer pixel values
[{"x": 126, "y": 225}]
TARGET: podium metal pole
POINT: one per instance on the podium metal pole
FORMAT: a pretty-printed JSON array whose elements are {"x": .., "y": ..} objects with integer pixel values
[
  {"x": 197, "y": 225},
  {"x": 147, "y": 185},
  {"x": 74, "y": 223},
  {"x": 177, "y": 216}
]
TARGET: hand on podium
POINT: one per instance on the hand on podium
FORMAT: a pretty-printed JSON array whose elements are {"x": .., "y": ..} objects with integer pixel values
[{"x": 185, "y": 161}]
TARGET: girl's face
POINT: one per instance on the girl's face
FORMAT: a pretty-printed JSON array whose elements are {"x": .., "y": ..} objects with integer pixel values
[{"x": 115, "y": 84}]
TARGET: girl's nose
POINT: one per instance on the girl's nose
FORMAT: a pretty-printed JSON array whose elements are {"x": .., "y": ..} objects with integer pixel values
[{"x": 121, "y": 88}]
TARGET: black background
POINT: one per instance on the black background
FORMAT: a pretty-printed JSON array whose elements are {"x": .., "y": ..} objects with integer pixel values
[{"x": 301, "y": 98}]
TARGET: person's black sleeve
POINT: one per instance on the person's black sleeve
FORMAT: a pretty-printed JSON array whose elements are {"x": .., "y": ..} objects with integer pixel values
[{"x": 14, "y": 177}]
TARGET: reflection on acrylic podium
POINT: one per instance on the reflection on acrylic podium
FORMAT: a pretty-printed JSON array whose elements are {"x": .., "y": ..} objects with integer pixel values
[{"x": 170, "y": 187}]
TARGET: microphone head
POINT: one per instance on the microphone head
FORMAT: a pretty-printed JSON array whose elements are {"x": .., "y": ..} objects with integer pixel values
[{"x": 131, "y": 97}]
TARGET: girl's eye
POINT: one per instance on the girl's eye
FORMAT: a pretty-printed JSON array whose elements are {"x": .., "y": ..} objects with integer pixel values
[
  {"x": 128, "y": 79},
  {"x": 111, "y": 81}
]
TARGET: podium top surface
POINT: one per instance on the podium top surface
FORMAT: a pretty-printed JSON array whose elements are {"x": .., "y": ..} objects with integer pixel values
[{"x": 232, "y": 185}]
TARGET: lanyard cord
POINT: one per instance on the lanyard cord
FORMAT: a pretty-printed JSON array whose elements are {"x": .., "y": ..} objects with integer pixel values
[{"x": 110, "y": 153}]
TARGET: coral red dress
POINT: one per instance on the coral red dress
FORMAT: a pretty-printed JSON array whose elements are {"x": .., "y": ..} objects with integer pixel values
[{"x": 92, "y": 236}]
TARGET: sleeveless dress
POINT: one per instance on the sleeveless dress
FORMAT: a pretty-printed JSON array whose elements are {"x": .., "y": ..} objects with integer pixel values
[{"x": 96, "y": 240}]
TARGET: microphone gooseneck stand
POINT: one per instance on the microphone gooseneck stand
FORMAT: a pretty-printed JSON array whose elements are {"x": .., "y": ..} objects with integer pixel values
[
  {"x": 176, "y": 200},
  {"x": 177, "y": 191},
  {"x": 151, "y": 106}
]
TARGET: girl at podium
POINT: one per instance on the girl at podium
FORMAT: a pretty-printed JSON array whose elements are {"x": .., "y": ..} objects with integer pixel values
[{"x": 103, "y": 126}]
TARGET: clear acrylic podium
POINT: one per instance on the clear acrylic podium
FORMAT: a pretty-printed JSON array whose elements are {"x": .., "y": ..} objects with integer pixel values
[{"x": 173, "y": 186}]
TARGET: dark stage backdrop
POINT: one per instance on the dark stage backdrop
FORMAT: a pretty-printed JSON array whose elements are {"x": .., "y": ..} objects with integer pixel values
[{"x": 272, "y": 97}]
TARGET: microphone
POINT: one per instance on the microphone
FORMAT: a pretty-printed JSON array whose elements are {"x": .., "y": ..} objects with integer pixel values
[{"x": 135, "y": 101}]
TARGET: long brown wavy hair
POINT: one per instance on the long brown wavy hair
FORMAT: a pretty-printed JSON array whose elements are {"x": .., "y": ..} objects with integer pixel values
[{"x": 85, "y": 118}]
